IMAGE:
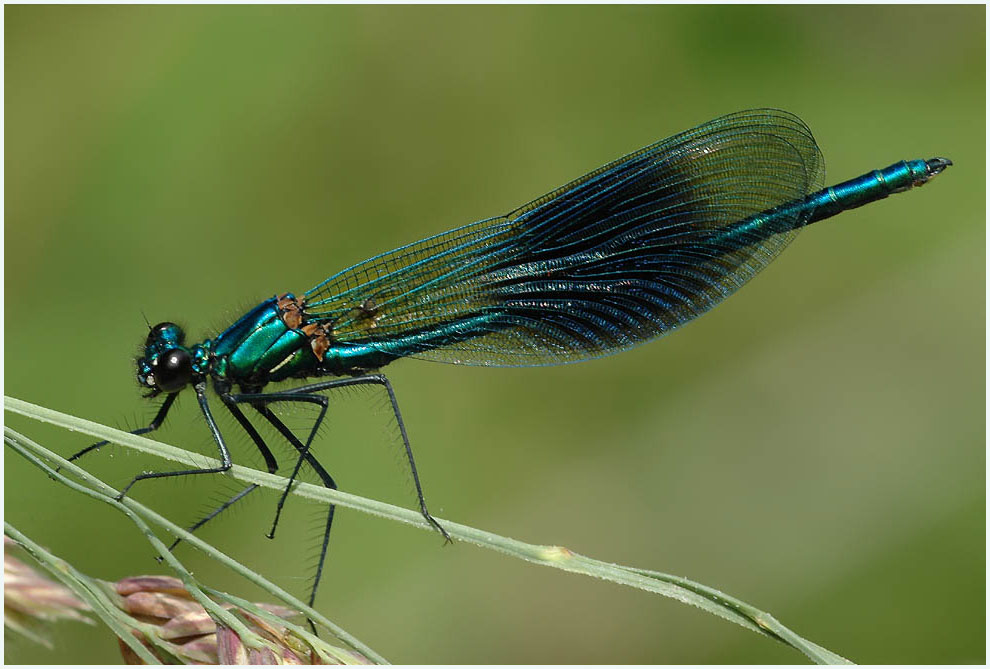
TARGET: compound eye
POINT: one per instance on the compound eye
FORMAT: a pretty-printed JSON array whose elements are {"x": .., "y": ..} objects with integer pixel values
[{"x": 173, "y": 370}]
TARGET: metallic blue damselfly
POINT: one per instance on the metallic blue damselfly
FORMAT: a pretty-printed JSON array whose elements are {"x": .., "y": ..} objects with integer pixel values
[{"x": 618, "y": 257}]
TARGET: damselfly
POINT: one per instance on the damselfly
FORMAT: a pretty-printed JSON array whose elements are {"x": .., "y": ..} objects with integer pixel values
[{"x": 616, "y": 258}]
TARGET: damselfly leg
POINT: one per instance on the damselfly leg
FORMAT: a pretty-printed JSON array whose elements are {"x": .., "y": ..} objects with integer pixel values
[
  {"x": 225, "y": 461},
  {"x": 261, "y": 402},
  {"x": 325, "y": 477},
  {"x": 159, "y": 419},
  {"x": 270, "y": 463},
  {"x": 309, "y": 394},
  {"x": 369, "y": 379},
  {"x": 156, "y": 423}
]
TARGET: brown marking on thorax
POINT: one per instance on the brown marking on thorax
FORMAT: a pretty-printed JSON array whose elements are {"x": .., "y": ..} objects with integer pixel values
[
  {"x": 291, "y": 311},
  {"x": 319, "y": 338}
]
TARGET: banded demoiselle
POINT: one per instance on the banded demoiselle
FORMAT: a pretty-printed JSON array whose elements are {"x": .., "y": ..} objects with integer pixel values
[{"x": 618, "y": 257}]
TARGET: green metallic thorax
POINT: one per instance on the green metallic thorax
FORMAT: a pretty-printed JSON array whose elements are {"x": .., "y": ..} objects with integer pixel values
[{"x": 260, "y": 348}]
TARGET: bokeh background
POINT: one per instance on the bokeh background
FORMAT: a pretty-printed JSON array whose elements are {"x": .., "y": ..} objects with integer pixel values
[{"x": 814, "y": 446}]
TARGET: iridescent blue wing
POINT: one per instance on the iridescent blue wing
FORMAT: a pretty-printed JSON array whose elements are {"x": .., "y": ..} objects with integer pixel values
[{"x": 613, "y": 259}]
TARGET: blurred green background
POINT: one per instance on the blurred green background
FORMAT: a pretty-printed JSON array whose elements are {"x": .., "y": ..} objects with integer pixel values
[{"x": 814, "y": 446}]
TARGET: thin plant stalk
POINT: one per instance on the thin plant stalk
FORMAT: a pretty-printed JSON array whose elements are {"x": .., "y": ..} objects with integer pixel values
[{"x": 683, "y": 590}]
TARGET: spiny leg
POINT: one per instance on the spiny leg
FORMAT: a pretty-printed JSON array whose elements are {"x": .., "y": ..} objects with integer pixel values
[
  {"x": 156, "y": 423},
  {"x": 260, "y": 401},
  {"x": 381, "y": 380},
  {"x": 213, "y": 514},
  {"x": 225, "y": 462},
  {"x": 270, "y": 462},
  {"x": 266, "y": 399},
  {"x": 325, "y": 477}
]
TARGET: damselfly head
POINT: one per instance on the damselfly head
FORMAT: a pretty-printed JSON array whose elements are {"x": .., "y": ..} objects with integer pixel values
[
  {"x": 165, "y": 334},
  {"x": 167, "y": 365}
]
